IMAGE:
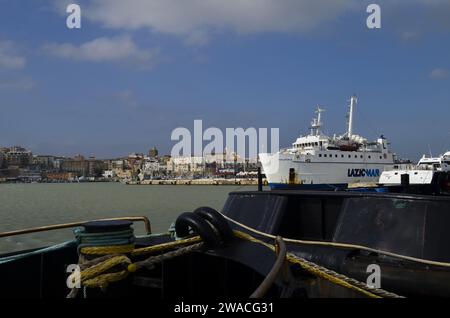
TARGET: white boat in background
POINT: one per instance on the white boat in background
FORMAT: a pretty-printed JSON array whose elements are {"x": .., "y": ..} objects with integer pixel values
[
  {"x": 319, "y": 161},
  {"x": 425, "y": 172}
]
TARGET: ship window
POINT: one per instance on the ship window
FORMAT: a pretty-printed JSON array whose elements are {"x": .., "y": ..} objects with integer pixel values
[
  {"x": 335, "y": 155},
  {"x": 361, "y": 156},
  {"x": 356, "y": 156},
  {"x": 381, "y": 157},
  {"x": 320, "y": 155},
  {"x": 349, "y": 156},
  {"x": 325, "y": 155},
  {"x": 370, "y": 157},
  {"x": 342, "y": 156},
  {"x": 316, "y": 143}
]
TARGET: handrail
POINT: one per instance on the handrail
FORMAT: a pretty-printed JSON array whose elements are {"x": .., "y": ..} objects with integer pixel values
[
  {"x": 263, "y": 288},
  {"x": 75, "y": 224}
]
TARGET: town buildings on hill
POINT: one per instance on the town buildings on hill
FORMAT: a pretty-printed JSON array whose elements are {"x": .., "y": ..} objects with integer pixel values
[{"x": 18, "y": 164}]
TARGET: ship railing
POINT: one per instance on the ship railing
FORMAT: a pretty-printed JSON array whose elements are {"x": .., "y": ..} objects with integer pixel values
[
  {"x": 400, "y": 166},
  {"x": 143, "y": 219}
]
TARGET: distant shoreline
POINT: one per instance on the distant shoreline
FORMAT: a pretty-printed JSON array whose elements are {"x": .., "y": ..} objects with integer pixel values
[
  {"x": 242, "y": 182},
  {"x": 233, "y": 181}
]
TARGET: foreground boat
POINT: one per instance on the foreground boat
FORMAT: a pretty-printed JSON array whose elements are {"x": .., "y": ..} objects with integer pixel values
[{"x": 263, "y": 244}]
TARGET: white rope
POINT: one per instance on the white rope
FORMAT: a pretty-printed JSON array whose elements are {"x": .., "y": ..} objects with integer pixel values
[{"x": 341, "y": 245}]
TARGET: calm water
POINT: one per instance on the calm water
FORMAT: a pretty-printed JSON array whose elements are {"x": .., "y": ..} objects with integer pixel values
[{"x": 29, "y": 205}]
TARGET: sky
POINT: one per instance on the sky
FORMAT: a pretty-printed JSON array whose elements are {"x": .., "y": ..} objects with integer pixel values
[{"x": 138, "y": 69}]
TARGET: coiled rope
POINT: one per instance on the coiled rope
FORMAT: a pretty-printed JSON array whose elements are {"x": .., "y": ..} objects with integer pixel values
[{"x": 96, "y": 272}]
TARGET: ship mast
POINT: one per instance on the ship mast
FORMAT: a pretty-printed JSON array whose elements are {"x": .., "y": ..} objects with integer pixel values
[
  {"x": 317, "y": 122},
  {"x": 353, "y": 101}
]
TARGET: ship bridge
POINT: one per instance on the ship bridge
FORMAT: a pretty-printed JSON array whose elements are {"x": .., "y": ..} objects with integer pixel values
[
  {"x": 311, "y": 142},
  {"x": 315, "y": 139},
  {"x": 441, "y": 163}
]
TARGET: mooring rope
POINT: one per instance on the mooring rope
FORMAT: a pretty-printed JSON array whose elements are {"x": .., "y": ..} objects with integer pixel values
[
  {"x": 325, "y": 273},
  {"x": 340, "y": 245}
]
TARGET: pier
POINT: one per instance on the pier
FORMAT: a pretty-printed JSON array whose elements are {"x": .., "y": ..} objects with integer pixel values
[{"x": 252, "y": 181}]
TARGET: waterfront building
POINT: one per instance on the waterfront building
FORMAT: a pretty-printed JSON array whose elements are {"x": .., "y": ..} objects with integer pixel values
[
  {"x": 186, "y": 165},
  {"x": 17, "y": 156},
  {"x": 46, "y": 162},
  {"x": 59, "y": 176},
  {"x": 220, "y": 164},
  {"x": 82, "y": 167},
  {"x": 109, "y": 174}
]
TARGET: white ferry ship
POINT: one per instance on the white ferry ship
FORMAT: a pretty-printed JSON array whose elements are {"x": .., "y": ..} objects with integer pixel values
[{"x": 320, "y": 161}]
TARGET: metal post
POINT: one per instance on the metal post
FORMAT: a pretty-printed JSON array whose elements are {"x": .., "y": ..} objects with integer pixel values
[{"x": 260, "y": 183}]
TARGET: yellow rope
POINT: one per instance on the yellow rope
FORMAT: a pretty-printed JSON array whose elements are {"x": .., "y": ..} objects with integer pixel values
[
  {"x": 105, "y": 250},
  {"x": 316, "y": 272},
  {"x": 328, "y": 277},
  {"x": 102, "y": 267},
  {"x": 95, "y": 275},
  {"x": 103, "y": 280},
  {"x": 165, "y": 246}
]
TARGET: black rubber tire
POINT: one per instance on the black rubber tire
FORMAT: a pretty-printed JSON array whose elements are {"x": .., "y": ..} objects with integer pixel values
[
  {"x": 199, "y": 225},
  {"x": 217, "y": 220}
]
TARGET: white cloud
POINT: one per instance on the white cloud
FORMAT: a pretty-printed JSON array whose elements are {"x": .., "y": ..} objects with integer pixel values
[
  {"x": 439, "y": 74},
  {"x": 195, "y": 19},
  {"x": 104, "y": 49},
  {"x": 8, "y": 58}
]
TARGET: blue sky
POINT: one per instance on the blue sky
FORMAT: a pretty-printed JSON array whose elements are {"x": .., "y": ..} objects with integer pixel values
[{"x": 138, "y": 69}]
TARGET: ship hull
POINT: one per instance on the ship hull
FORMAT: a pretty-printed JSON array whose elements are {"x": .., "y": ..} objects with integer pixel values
[{"x": 284, "y": 172}]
